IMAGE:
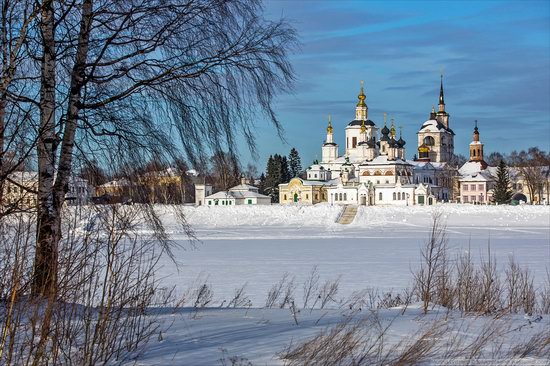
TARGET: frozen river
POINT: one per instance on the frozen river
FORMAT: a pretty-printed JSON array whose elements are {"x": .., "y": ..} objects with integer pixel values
[{"x": 378, "y": 250}]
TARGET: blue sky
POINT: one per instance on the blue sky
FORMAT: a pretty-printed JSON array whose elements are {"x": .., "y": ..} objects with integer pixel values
[{"x": 495, "y": 56}]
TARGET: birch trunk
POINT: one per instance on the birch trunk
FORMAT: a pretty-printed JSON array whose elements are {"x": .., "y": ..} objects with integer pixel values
[{"x": 45, "y": 261}]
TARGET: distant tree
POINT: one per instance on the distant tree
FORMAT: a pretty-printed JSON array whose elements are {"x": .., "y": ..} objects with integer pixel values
[
  {"x": 284, "y": 169},
  {"x": 294, "y": 163},
  {"x": 533, "y": 166},
  {"x": 502, "y": 193},
  {"x": 251, "y": 173},
  {"x": 272, "y": 178},
  {"x": 226, "y": 171},
  {"x": 458, "y": 160},
  {"x": 277, "y": 172},
  {"x": 495, "y": 158},
  {"x": 261, "y": 186},
  {"x": 93, "y": 173}
]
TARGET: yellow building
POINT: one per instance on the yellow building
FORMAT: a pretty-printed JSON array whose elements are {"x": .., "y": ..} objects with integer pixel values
[
  {"x": 307, "y": 192},
  {"x": 19, "y": 190}
]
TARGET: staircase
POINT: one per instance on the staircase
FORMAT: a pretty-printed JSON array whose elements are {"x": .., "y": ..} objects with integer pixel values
[{"x": 347, "y": 215}]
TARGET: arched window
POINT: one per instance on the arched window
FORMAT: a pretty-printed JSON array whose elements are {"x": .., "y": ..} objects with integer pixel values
[
  {"x": 399, "y": 196},
  {"x": 429, "y": 140},
  {"x": 380, "y": 196},
  {"x": 284, "y": 197},
  {"x": 474, "y": 152},
  {"x": 394, "y": 196},
  {"x": 340, "y": 196},
  {"x": 345, "y": 197},
  {"x": 336, "y": 197}
]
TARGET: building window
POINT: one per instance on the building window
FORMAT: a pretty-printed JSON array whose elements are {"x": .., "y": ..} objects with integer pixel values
[
  {"x": 394, "y": 196},
  {"x": 472, "y": 187},
  {"x": 340, "y": 196},
  {"x": 399, "y": 196},
  {"x": 316, "y": 196},
  {"x": 472, "y": 198},
  {"x": 284, "y": 197},
  {"x": 345, "y": 197},
  {"x": 336, "y": 197},
  {"x": 480, "y": 187},
  {"x": 380, "y": 196},
  {"x": 354, "y": 142},
  {"x": 429, "y": 141},
  {"x": 307, "y": 196},
  {"x": 315, "y": 175},
  {"x": 465, "y": 199},
  {"x": 464, "y": 187},
  {"x": 249, "y": 201}
]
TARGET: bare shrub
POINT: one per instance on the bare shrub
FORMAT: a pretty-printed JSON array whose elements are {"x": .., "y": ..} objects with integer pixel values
[
  {"x": 433, "y": 262},
  {"x": 281, "y": 293},
  {"x": 544, "y": 300},
  {"x": 106, "y": 291},
  {"x": 328, "y": 291},
  {"x": 240, "y": 299},
  {"x": 311, "y": 285}
]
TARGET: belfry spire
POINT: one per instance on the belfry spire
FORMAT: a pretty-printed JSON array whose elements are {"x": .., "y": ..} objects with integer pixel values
[{"x": 441, "y": 98}]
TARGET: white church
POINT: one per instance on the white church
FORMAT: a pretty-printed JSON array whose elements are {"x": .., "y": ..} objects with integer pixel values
[{"x": 374, "y": 169}]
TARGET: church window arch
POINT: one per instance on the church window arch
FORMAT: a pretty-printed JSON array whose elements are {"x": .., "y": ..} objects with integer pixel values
[
  {"x": 389, "y": 172},
  {"x": 378, "y": 172},
  {"x": 429, "y": 140},
  {"x": 366, "y": 173}
]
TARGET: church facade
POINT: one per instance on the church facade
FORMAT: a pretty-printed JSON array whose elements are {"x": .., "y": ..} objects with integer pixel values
[{"x": 374, "y": 170}]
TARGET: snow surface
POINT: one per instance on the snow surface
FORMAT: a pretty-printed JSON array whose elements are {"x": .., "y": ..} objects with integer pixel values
[
  {"x": 260, "y": 336},
  {"x": 256, "y": 245}
]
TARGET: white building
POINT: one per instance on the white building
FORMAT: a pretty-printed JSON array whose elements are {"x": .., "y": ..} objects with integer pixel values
[
  {"x": 373, "y": 169},
  {"x": 243, "y": 194}
]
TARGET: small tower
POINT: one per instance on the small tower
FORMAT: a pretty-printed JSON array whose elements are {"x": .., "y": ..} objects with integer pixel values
[
  {"x": 330, "y": 148},
  {"x": 384, "y": 139},
  {"x": 202, "y": 190},
  {"x": 401, "y": 144},
  {"x": 361, "y": 110},
  {"x": 442, "y": 116},
  {"x": 476, "y": 147}
]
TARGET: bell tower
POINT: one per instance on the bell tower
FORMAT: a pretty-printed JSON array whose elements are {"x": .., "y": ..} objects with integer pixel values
[{"x": 476, "y": 147}]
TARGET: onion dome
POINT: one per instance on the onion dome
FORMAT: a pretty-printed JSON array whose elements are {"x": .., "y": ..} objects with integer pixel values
[
  {"x": 385, "y": 130},
  {"x": 423, "y": 149},
  {"x": 401, "y": 142},
  {"x": 361, "y": 97}
]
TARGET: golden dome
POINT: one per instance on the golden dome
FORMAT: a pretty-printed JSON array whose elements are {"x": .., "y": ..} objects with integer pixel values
[
  {"x": 329, "y": 128},
  {"x": 361, "y": 97}
]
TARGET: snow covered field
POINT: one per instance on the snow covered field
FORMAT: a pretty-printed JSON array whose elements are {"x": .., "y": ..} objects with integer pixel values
[{"x": 257, "y": 245}]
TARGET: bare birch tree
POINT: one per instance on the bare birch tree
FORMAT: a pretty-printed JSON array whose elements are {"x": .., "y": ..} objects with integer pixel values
[{"x": 128, "y": 80}]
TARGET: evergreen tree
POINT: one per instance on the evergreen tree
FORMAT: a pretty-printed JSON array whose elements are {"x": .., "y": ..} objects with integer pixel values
[
  {"x": 261, "y": 185},
  {"x": 294, "y": 163},
  {"x": 502, "y": 193},
  {"x": 285, "y": 170},
  {"x": 272, "y": 178}
]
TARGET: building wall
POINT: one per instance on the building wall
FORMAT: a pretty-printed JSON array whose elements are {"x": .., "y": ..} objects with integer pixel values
[{"x": 474, "y": 192}]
